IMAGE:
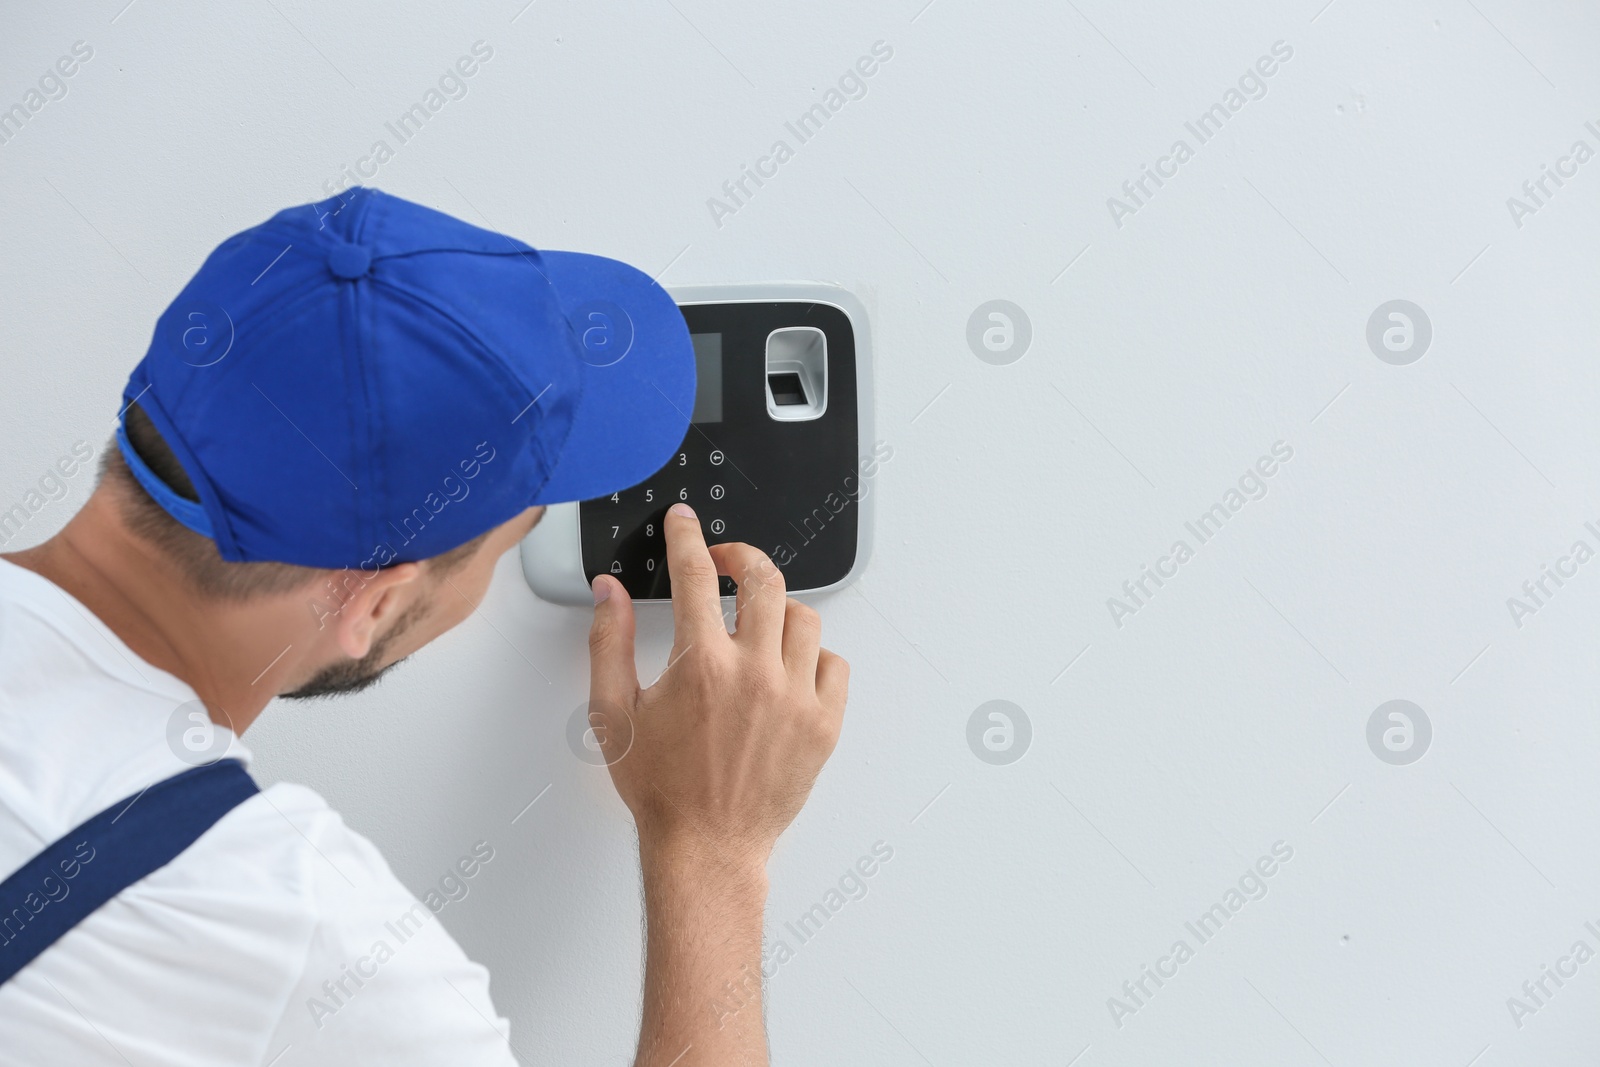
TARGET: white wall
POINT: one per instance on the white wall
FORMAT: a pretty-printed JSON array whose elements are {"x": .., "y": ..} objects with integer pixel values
[{"x": 1226, "y": 314}]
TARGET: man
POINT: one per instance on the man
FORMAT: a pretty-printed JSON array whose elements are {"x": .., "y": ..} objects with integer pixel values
[{"x": 348, "y": 415}]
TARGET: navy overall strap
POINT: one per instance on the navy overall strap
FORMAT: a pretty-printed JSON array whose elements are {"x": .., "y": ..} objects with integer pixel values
[{"x": 64, "y": 884}]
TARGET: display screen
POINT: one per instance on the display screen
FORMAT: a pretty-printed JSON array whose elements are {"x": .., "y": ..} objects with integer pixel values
[{"x": 708, "y": 376}]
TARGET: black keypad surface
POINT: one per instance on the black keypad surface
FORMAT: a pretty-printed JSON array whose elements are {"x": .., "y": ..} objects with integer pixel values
[{"x": 790, "y": 488}]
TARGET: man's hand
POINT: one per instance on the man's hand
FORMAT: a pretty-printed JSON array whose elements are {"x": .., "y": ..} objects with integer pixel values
[
  {"x": 725, "y": 745},
  {"x": 714, "y": 760}
]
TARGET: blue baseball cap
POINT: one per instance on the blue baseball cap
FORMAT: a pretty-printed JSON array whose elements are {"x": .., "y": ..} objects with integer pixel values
[{"x": 364, "y": 380}]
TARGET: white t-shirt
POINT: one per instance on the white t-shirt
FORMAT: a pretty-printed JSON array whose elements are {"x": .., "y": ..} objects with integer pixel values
[{"x": 279, "y": 937}]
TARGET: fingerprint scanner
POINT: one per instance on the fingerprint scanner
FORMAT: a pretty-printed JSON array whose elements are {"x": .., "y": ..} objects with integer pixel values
[
  {"x": 797, "y": 373},
  {"x": 787, "y": 390}
]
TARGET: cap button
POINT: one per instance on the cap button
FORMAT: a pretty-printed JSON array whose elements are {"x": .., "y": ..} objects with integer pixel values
[{"x": 350, "y": 261}]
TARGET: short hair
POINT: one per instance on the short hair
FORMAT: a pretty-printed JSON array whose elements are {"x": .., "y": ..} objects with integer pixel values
[{"x": 196, "y": 555}]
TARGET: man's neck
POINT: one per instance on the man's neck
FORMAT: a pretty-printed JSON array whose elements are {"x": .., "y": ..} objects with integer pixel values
[{"x": 233, "y": 655}]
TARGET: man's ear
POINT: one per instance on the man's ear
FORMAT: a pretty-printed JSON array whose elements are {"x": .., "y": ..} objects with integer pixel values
[{"x": 373, "y": 607}]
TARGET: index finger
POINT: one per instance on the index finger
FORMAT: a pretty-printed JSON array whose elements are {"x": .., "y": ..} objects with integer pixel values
[{"x": 696, "y": 604}]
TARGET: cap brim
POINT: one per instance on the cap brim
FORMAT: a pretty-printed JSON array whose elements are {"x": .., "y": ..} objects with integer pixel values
[{"x": 637, "y": 374}]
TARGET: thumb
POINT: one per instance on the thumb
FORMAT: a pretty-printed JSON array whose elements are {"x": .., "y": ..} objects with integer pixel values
[{"x": 613, "y": 678}]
